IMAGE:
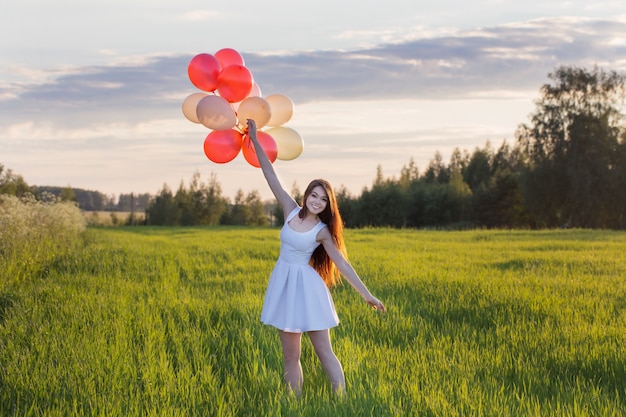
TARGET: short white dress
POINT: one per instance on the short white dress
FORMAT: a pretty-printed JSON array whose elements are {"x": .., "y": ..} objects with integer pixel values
[{"x": 297, "y": 299}]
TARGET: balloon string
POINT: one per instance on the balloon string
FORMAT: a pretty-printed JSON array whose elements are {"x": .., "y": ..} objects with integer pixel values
[{"x": 240, "y": 128}]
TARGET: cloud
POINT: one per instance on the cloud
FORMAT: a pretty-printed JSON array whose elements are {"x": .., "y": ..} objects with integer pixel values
[
  {"x": 501, "y": 61},
  {"x": 128, "y": 113},
  {"x": 500, "y": 58}
]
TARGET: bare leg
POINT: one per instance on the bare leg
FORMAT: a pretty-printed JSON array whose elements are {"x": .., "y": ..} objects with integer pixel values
[
  {"x": 324, "y": 350},
  {"x": 291, "y": 343}
]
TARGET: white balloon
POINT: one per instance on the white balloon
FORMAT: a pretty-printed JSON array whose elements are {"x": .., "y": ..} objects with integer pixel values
[
  {"x": 190, "y": 104},
  {"x": 255, "y": 108},
  {"x": 282, "y": 109},
  {"x": 215, "y": 113},
  {"x": 289, "y": 142}
]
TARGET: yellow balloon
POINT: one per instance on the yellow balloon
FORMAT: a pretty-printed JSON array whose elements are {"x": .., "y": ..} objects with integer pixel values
[
  {"x": 190, "y": 104},
  {"x": 289, "y": 142},
  {"x": 255, "y": 108},
  {"x": 282, "y": 109},
  {"x": 215, "y": 113}
]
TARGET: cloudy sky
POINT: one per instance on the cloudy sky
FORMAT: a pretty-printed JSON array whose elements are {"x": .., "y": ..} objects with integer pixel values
[{"x": 91, "y": 92}]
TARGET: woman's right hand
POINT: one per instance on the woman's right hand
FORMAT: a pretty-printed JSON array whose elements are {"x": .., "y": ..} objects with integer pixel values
[{"x": 252, "y": 129}]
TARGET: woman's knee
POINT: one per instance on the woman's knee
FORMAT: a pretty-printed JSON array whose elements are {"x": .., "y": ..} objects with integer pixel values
[
  {"x": 291, "y": 346},
  {"x": 291, "y": 355},
  {"x": 323, "y": 347}
]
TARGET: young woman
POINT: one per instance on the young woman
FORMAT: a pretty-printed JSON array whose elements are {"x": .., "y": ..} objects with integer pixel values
[{"x": 312, "y": 257}]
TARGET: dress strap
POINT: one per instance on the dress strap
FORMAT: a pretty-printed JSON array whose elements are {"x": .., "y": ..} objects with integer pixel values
[
  {"x": 293, "y": 214},
  {"x": 319, "y": 227}
]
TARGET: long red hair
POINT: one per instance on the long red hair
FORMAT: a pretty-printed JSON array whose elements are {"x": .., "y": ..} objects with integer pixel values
[{"x": 320, "y": 260}]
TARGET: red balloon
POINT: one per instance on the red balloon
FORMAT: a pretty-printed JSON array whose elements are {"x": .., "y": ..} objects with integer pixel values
[
  {"x": 235, "y": 83},
  {"x": 222, "y": 146},
  {"x": 227, "y": 57},
  {"x": 203, "y": 70},
  {"x": 267, "y": 143}
]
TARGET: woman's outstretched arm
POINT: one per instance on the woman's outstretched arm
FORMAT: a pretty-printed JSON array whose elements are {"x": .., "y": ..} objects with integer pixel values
[
  {"x": 284, "y": 198},
  {"x": 347, "y": 270}
]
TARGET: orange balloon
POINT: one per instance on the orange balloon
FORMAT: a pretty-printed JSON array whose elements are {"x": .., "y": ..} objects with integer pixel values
[
  {"x": 267, "y": 143},
  {"x": 215, "y": 113},
  {"x": 282, "y": 109},
  {"x": 255, "y": 108},
  {"x": 222, "y": 146},
  {"x": 234, "y": 83},
  {"x": 203, "y": 70}
]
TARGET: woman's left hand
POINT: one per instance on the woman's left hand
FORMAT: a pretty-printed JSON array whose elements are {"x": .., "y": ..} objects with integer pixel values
[{"x": 376, "y": 304}]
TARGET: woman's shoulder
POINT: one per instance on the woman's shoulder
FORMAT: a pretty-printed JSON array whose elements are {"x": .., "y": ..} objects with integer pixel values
[
  {"x": 322, "y": 231},
  {"x": 292, "y": 213}
]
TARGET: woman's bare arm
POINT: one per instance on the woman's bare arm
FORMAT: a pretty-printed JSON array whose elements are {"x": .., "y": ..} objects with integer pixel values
[
  {"x": 347, "y": 270},
  {"x": 284, "y": 198}
]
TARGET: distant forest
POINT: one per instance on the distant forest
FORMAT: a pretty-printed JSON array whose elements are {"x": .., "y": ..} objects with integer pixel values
[
  {"x": 567, "y": 168},
  {"x": 96, "y": 201},
  {"x": 87, "y": 200}
]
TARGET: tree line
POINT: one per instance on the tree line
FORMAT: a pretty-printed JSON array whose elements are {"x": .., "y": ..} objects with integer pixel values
[
  {"x": 88, "y": 200},
  {"x": 566, "y": 168},
  {"x": 202, "y": 203}
]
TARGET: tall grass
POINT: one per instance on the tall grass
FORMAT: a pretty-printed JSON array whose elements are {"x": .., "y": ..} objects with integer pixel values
[
  {"x": 33, "y": 232},
  {"x": 165, "y": 322}
]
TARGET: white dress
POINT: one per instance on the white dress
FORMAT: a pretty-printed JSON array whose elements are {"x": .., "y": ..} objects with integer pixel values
[{"x": 297, "y": 299}]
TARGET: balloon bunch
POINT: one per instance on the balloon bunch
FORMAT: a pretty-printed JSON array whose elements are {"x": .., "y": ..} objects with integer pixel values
[{"x": 230, "y": 97}]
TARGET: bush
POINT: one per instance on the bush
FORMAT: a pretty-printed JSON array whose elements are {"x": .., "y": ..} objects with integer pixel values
[{"x": 35, "y": 232}]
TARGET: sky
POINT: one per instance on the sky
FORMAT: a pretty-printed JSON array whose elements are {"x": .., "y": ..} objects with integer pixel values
[{"x": 91, "y": 92}]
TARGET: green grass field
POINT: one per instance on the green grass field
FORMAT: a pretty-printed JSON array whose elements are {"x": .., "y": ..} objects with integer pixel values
[{"x": 165, "y": 322}]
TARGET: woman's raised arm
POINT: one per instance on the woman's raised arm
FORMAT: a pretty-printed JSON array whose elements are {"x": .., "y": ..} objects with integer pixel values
[{"x": 284, "y": 198}]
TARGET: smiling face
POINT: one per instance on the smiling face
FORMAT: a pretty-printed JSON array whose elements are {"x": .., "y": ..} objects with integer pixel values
[{"x": 317, "y": 200}]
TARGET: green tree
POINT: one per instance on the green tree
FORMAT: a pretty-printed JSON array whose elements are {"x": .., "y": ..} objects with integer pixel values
[
  {"x": 186, "y": 210},
  {"x": 384, "y": 204},
  {"x": 348, "y": 206},
  {"x": 11, "y": 183},
  {"x": 458, "y": 160},
  {"x": 258, "y": 216},
  {"x": 214, "y": 204},
  {"x": 620, "y": 180},
  {"x": 477, "y": 172},
  {"x": 163, "y": 211},
  {"x": 239, "y": 212},
  {"x": 409, "y": 174},
  {"x": 437, "y": 170},
  {"x": 128, "y": 202},
  {"x": 197, "y": 204},
  {"x": 296, "y": 193},
  {"x": 67, "y": 194},
  {"x": 572, "y": 144},
  {"x": 436, "y": 204},
  {"x": 497, "y": 199}
]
